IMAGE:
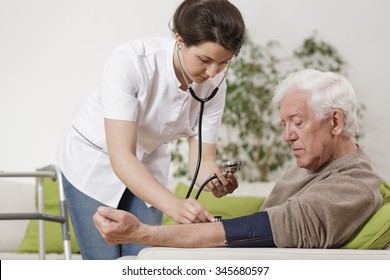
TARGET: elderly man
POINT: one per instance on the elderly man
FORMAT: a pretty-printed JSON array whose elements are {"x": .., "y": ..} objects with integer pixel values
[{"x": 320, "y": 203}]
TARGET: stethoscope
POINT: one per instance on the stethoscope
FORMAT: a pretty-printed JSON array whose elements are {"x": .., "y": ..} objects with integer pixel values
[{"x": 202, "y": 102}]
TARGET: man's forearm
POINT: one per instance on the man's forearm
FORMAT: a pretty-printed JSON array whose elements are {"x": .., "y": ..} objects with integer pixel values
[
  {"x": 246, "y": 231},
  {"x": 184, "y": 235}
]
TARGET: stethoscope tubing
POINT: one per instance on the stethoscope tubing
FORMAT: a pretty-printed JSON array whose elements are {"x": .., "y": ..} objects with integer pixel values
[{"x": 202, "y": 102}]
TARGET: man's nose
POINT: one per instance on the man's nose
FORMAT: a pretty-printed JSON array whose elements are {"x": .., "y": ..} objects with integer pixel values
[{"x": 289, "y": 134}]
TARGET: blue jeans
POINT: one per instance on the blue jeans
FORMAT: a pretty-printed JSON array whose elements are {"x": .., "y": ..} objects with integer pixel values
[{"x": 91, "y": 243}]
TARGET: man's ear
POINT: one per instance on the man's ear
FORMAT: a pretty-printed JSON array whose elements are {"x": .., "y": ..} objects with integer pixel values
[{"x": 337, "y": 122}]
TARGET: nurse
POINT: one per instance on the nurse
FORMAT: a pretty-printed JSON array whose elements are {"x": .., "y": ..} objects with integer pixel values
[{"x": 115, "y": 150}]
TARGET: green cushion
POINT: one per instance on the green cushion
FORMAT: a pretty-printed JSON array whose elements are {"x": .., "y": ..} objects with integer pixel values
[
  {"x": 53, "y": 236},
  {"x": 375, "y": 233},
  {"x": 228, "y": 207}
]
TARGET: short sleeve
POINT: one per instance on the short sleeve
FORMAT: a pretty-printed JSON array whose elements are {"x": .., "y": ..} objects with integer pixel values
[{"x": 119, "y": 87}]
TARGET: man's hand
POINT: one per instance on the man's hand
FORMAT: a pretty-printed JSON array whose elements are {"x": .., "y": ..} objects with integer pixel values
[{"x": 117, "y": 226}]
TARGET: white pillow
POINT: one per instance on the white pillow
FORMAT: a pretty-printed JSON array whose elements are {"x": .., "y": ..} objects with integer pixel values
[{"x": 15, "y": 197}]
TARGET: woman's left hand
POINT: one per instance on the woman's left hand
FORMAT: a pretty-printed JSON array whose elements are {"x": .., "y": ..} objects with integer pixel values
[{"x": 223, "y": 185}]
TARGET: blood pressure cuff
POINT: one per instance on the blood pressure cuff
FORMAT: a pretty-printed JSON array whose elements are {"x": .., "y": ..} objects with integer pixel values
[{"x": 249, "y": 231}]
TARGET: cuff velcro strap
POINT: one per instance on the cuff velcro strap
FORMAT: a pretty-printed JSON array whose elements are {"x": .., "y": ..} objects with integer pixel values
[{"x": 249, "y": 231}]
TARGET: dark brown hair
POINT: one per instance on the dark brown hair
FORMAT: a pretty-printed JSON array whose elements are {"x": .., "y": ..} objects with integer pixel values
[{"x": 217, "y": 21}]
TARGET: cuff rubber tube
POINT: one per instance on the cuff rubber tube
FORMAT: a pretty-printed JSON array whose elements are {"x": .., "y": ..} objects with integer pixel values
[{"x": 249, "y": 231}]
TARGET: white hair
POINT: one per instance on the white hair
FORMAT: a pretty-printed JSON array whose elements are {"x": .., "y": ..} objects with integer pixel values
[{"x": 326, "y": 92}]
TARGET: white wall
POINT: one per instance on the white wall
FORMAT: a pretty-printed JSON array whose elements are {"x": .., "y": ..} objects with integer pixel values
[{"x": 52, "y": 53}]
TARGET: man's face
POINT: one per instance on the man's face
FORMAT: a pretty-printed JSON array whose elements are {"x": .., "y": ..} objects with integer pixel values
[{"x": 311, "y": 140}]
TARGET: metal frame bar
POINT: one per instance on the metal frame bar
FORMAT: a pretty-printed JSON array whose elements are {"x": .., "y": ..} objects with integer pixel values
[{"x": 53, "y": 172}]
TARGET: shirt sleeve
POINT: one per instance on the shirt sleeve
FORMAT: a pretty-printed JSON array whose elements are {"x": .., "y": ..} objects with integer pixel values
[
  {"x": 120, "y": 86},
  {"x": 317, "y": 218}
]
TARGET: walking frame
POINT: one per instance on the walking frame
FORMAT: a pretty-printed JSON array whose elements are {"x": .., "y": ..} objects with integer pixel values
[{"x": 53, "y": 172}]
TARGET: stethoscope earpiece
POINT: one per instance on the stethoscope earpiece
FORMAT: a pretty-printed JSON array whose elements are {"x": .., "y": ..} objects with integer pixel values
[{"x": 178, "y": 46}]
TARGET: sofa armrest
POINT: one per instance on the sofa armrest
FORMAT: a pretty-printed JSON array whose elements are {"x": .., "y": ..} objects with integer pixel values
[{"x": 165, "y": 253}]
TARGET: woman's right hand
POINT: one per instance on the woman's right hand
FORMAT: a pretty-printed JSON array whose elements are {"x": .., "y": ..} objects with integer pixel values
[{"x": 190, "y": 211}]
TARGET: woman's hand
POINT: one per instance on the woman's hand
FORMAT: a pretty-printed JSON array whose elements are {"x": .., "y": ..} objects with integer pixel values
[
  {"x": 223, "y": 185},
  {"x": 189, "y": 211}
]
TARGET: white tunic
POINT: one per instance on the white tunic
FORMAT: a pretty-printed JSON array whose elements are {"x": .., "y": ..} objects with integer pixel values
[{"x": 138, "y": 84}]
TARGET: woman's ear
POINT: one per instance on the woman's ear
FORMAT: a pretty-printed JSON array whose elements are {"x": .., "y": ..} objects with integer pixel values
[
  {"x": 337, "y": 122},
  {"x": 179, "y": 39}
]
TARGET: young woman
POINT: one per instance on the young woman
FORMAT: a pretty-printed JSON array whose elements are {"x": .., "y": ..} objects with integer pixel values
[{"x": 115, "y": 151}]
